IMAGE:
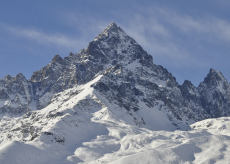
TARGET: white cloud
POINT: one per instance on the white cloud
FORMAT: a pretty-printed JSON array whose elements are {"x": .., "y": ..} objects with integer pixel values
[
  {"x": 209, "y": 27},
  {"x": 41, "y": 37},
  {"x": 56, "y": 39},
  {"x": 86, "y": 26}
]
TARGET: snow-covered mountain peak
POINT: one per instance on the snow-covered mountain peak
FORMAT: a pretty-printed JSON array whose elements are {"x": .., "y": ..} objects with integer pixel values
[
  {"x": 214, "y": 76},
  {"x": 188, "y": 83},
  {"x": 215, "y": 94},
  {"x": 57, "y": 58},
  {"x": 8, "y": 77},
  {"x": 18, "y": 77},
  {"x": 112, "y": 25},
  {"x": 118, "y": 48},
  {"x": 215, "y": 80},
  {"x": 188, "y": 89},
  {"x": 111, "y": 30}
]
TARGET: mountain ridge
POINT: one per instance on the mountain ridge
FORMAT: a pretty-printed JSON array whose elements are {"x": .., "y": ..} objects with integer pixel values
[{"x": 122, "y": 60}]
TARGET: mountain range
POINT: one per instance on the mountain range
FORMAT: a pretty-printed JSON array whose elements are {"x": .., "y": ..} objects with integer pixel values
[{"x": 110, "y": 103}]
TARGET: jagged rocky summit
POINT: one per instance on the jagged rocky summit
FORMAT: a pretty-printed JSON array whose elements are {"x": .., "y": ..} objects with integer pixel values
[{"x": 128, "y": 78}]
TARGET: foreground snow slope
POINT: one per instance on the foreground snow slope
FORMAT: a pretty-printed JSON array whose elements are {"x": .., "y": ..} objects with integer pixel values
[{"x": 87, "y": 128}]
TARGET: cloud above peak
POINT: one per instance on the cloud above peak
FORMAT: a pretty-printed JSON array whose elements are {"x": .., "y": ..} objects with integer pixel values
[{"x": 56, "y": 39}]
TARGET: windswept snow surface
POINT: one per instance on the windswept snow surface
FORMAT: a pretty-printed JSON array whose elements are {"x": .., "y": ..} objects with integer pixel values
[{"x": 81, "y": 126}]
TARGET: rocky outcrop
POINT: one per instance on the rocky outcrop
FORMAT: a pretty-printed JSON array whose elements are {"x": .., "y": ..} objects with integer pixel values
[{"x": 215, "y": 94}]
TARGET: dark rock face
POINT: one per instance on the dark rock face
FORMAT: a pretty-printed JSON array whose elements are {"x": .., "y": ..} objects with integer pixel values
[
  {"x": 215, "y": 94},
  {"x": 4, "y": 95},
  {"x": 128, "y": 77},
  {"x": 15, "y": 94}
]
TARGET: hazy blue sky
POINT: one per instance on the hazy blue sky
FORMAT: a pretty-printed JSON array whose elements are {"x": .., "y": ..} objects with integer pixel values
[{"x": 187, "y": 37}]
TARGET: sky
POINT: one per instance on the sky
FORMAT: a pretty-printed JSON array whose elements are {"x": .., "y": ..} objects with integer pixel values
[{"x": 186, "y": 37}]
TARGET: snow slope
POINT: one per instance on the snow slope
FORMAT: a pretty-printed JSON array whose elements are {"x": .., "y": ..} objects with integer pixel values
[{"x": 87, "y": 128}]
